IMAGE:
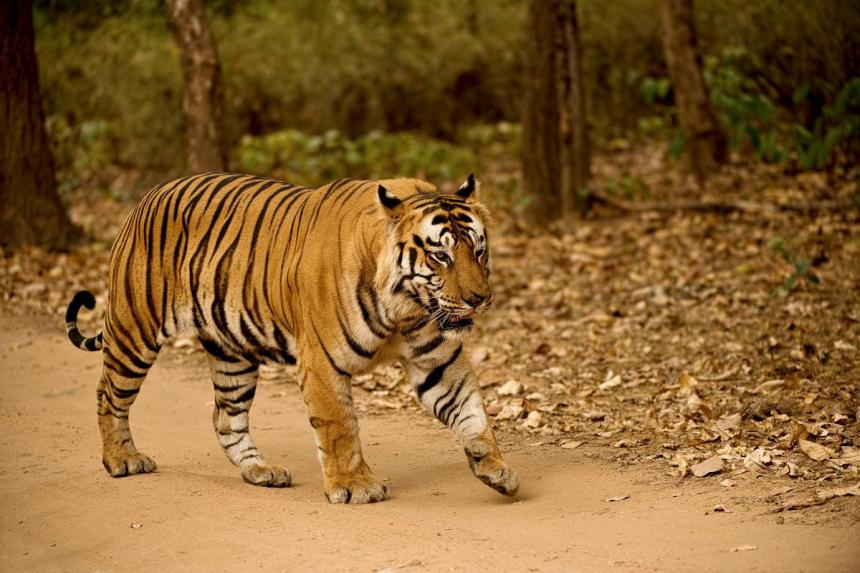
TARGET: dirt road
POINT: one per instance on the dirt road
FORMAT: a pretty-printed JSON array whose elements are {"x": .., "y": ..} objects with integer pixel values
[{"x": 61, "y": 511}]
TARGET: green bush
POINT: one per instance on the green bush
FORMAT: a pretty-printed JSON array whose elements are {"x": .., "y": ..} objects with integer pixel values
[
  {"x": 747, "y": 113},
  {"x": 436, "y": 68},
  {"x": 112, "y": 86},
  {"x": 744, "y": 103},
  {"x": 315, "y": 159},
  {"x": 839, "y": 125}
]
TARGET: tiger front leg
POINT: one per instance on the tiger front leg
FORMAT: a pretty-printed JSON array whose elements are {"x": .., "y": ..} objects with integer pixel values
[
  {"x": 328, "y": 397},
  {"x": 446, "y": 385}
]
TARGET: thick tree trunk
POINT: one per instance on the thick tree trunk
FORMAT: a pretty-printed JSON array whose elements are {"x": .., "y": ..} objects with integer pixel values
[
  {"x": 575, "y": 151},
  {"x": 203, "y": 98},
  {"x": 541, "y": 139},
  {"x": 705, "y": 143},
  {"x": 30, "y": 209}
]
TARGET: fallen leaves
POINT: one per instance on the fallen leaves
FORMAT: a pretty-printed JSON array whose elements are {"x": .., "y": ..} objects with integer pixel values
[
  {"x": 510, "y": 388},
  {"x": 711, "y": 465},
  {"x": 830, "y": 493},
  {"x": 611, "y": 381},
  {"x": 533, "y": 420},
  {"x": 571, "y": 445},
  {"x": 805, "y": 499},
  {"x": 815, "y": 451}
]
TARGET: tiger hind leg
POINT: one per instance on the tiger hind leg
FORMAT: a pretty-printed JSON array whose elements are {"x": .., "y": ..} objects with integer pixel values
[
  {"x": 118, "y": 387},
  {"x": 235, "y": 382}
]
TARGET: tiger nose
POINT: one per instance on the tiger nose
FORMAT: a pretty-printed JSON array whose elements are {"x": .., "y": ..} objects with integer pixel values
[{"x": 475, "y": 299}]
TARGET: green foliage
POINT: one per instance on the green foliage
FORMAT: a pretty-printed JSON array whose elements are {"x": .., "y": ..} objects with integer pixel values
[
  {"x": 438, "y": 68},
  {"x": 81, "y": 150},
  {"x": 802, "y": 267},
  {"x": 654, "y": 89},
  {"x": 627, "y": 186},
  {"x": 655, "y": 93},
  {"x": 839, "y": 123},
  {"x": 316, "y": 159},
  {"x": 753, "y": 122},
  {"x": 747, "y": 114},
  {"x": 113, "y": 89}
]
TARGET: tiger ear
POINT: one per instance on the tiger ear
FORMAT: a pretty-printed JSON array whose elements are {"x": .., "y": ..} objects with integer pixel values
[
  {"x": 393, "y": 206},
  {"x": 469, "y": 187}
]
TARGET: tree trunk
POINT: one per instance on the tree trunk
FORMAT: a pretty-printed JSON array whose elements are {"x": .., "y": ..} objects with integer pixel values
[
  {"x": 705, "y": 143},
  {"x": 541, "y": 139},
  {"x": 30, "y": 209},
  {"x": 203, "y": 98},
  {"x": 575, "y": 152}
]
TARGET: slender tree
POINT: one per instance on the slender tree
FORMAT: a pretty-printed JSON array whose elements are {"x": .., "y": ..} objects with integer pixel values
[
  {"x": 575, "y": 148},
  {"x": 30, "y": 209},
  {"x": 541, "y": 137},
  {"x": 555, "y": 156},
  {"x": 704, "y": 141},
  {"x": 203, "y": 97}
]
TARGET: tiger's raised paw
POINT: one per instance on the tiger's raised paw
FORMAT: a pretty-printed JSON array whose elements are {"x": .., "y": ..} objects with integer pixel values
[
  {"x": 128, "y": 464},
  {"x": 267, "y": 476},
  {"x": 495, "y": 473},
  {"x": 360, "y": 490}
]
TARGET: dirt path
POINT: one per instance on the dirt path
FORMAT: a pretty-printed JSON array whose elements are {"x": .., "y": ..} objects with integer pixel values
[{"x": 61, "y": 511}]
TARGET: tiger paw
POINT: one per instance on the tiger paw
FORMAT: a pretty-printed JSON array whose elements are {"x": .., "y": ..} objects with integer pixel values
[
  {"x": 363, "y": 489},
  {"x": 127, "y": 464},
  {"x": 494, "y": 472},
  {"x": 267, "y": 476}
]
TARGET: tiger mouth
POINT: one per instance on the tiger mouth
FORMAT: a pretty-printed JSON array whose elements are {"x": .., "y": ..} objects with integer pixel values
[{"x": 454, "y": 322}]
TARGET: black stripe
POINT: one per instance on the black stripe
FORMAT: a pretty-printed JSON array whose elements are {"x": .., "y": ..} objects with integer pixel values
[
  {"x": 244, "y": 397},
  {"x": 436, "y": 375},
  {"x": 127, "y": 352},
  {"x": 331, "y": 361},
  {"x": 113, "y": 408},
  {"x": 215, "y": 350},
  {"x": 400, "y": 254},
  {"x": 235, "y": 442},
  {"x": 247, "y": 370},
  {"x": 431, "y": 344},
  {"x": 445, "y": 411},
  {"x": 434, "y": 409},
  {"x": 365, "y": 314},
  {"x": 353, "y": 344},
  {"x": 117, "y": 366},
  {"x": 121, "y": 393},
  {"x": 454, "y": 416}
]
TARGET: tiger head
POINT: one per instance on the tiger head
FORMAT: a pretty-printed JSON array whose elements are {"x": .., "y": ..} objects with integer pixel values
[{"x": 439, "y": 252}]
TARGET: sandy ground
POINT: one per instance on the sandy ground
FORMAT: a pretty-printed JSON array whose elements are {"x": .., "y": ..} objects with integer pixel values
[{"x": 61, "y": 511}]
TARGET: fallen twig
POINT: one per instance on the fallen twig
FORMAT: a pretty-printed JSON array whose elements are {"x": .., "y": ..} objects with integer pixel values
[{"x": 723, "y": 206}]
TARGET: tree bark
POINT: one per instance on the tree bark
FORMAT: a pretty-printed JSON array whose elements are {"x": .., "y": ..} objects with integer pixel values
[
  {"x": 541, "y": 138},
  {"x": 705, "y": 142},
  {"x": 575, "y": 150},
  {"x": 203, "y": 97},
  {"x": 30, "y": 209}
]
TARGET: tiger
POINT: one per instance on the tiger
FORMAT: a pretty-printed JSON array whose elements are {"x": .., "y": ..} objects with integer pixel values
[{"x": 335, "y": 280}]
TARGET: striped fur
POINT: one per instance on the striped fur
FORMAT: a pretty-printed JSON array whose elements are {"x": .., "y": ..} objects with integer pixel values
[{"x": 339, "y": 279}]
